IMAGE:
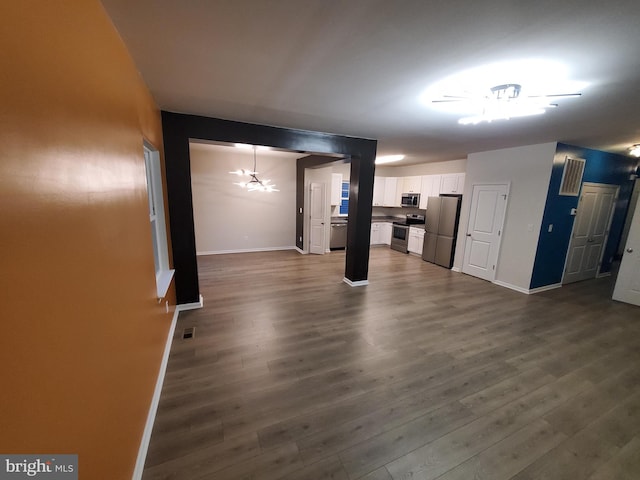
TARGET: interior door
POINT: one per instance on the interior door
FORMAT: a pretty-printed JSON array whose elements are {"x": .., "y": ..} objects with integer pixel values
[
  {"x": 627, "y": 287},
  {"x": 590, "y": 232},
  {"x": 488, "y": 206},
  {"x": 317, "y": 237}
]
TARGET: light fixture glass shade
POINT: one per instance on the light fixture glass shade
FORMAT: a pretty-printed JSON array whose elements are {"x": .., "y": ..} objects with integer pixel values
[
  {"x": 500, "y": 91},
  {"x": 635, "y": 150},
  {"x": 254, "y": 183}
]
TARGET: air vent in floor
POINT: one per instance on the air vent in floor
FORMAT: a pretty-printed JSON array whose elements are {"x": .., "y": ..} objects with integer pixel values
[{"x": 189, "y": 332}]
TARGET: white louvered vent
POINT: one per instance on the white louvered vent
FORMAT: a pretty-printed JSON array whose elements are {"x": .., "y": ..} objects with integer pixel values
[{"x": 572, "y": 176}]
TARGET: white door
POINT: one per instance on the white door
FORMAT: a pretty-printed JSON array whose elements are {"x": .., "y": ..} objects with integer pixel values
[
  {"x": 590, "y": 232},
  {"x": 317, "y": 200},
  {"x": 488, "y": 205},
  {"x": 627, "y": 287}
]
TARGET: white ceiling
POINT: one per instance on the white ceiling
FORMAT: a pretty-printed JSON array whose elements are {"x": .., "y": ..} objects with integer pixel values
[{"x": 358, "y": 67}]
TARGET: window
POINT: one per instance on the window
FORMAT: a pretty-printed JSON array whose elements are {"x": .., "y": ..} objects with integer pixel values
[
  {"x": 156, "y": 217},
  {"x": 344, "y": 199}
]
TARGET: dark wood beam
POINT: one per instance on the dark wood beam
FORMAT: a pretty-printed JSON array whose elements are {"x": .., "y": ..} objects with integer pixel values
[{"x": 178, "y": 129}]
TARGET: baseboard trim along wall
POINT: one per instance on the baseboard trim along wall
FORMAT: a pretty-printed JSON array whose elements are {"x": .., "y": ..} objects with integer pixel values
[
  {"x": 359, "y": 283},
  {"x": 155, "y": 401},
  {"x": 245, "y": 250},
  {"x": 190, "y": 306},
  {"x": 545, "y": 288},
  {"x": 300, "y": 251},
  {"x": 511, "y": 287},
  {"x": 526, "y": 291}
]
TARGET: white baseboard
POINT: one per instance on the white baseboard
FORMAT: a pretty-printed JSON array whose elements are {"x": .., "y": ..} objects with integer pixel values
[
  {"x": 527, "y": 291},
  {"x": 155, "y": 400},
  {"x": 302, "y": 252},
  {"x": 359, "y": 283},
  {"x": 245, "y": 250},
  {"x": 603, "y": 274},
  {"x": 190, "y": 306},
  {"x": 511, "y": 287},
  {"x": 544, "y": 288},
  {"x": 456, "y": 269}
]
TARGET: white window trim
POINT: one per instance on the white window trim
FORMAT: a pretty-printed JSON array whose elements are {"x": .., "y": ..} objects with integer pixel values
[{"x": 157, "y": 220}]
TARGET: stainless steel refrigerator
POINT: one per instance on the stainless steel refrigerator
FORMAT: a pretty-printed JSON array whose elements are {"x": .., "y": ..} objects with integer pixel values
[{"x": 441, "y": 229}]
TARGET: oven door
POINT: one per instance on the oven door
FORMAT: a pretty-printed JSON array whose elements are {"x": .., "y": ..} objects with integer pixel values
[
  {"x": 400, "y": 238},
  {"x": 400, "y": 232}
]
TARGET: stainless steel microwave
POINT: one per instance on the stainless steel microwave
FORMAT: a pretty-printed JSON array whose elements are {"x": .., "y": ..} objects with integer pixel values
[{"x": 410, "y": 200}]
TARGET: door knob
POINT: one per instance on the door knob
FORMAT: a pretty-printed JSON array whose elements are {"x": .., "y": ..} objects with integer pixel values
[
  {"x": 468, "y": 234},
  {"x": 629, "y": 250}
]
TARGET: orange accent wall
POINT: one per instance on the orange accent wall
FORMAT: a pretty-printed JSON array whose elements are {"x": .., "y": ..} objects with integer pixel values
[{"x": 82, "y": 331}]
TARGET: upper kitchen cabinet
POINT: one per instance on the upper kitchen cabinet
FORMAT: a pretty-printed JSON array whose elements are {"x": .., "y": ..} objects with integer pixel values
[
  {"x": 411, "y": 184},
  {"x": 452, "y": 183},
  {"x": 430, "y": 188},
  {"x": 392, "y": 192},
  {"x": 378, "y": 191},
  {"x": 336, "y": 188}
]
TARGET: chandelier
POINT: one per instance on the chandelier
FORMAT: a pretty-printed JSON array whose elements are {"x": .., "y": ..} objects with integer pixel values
[
  {"x": 503, "y": 102},
  {"x": 254, "y": 183}
]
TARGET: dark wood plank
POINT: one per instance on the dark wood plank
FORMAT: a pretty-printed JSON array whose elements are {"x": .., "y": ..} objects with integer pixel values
[{"x": 424, "y": 373}]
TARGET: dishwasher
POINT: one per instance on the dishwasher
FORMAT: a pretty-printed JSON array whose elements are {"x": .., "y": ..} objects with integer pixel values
[{"x": 338, "y": 239}]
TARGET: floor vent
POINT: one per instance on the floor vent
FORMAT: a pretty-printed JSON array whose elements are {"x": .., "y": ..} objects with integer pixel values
[{"x": 189, "y": 332}]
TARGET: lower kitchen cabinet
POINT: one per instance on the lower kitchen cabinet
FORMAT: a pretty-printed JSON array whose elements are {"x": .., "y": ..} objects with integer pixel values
[
  {"x": 416, "y": 239},
  {"x": 380, "y": 233},
  {"x": 386, "y": 229},
  {"x": 375, "y": 234}
]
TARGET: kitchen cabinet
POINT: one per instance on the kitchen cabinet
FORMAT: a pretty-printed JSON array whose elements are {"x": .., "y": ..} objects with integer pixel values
[
  {"x": 430, "y": 188},
  {"x": 379, "y": 184},
  {"x": 452, "y": 183},
  {"x": 386, "y": 229},
  {"x": 336, "y": 188},
  {"x": 391, "y": 192},
  {"x": 416, "y": 239},
  {"x": 375, "y": 234},
  {"x": 411, "y": 184},
  {"x": 380, "y": 233}
]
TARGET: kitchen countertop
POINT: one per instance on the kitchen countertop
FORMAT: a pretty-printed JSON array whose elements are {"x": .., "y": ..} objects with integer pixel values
[{"x": 376, "y": 219}]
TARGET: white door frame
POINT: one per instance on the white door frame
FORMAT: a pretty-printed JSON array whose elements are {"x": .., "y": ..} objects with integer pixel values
[
  {"x": 507, "y": 185},
  {"x": 606, "y": 238}
]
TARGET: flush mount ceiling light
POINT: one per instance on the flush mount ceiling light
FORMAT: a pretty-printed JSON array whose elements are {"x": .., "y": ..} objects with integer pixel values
[
  {"x": 388, "y": 159},
  {"x": 635, "y": 150},
  {"x": 253, "y": 183},
  {"x": 502, "y": 91}
]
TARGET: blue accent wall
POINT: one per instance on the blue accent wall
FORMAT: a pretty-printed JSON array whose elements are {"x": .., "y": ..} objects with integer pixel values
[{"x": 600, "y": 167}]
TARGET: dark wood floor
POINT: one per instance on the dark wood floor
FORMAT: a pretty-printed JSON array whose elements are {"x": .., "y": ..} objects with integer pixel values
[{"x": 423, "y": 374}]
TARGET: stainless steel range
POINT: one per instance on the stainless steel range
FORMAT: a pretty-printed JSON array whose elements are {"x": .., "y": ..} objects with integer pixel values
[{"x": 400, "y": 233}]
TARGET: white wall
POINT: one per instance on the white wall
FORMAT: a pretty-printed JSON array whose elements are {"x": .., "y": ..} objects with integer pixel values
[
  {"x": 343, "y": 168},
  {"x": 228, "y": 218},
  {"x": 432, "y": 168},
  {"x": 528, "y": 169}
]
